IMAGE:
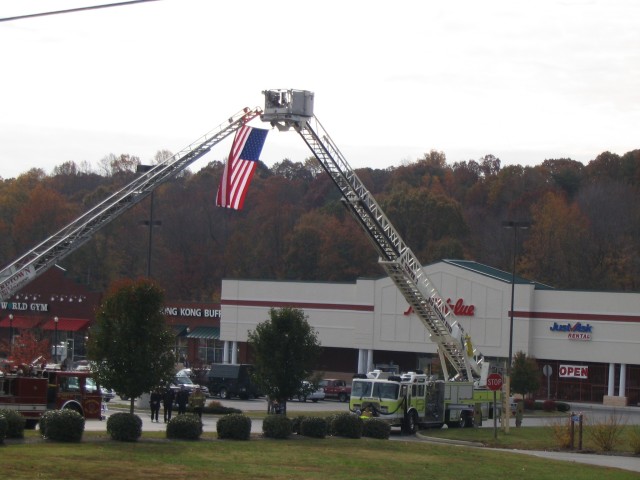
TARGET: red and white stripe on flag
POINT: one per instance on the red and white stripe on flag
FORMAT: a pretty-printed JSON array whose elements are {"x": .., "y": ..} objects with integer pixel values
[{"x": 240, "y": 167}]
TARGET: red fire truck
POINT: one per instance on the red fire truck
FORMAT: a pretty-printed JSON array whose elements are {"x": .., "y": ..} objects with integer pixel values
[{"x": 32, "y": 393}]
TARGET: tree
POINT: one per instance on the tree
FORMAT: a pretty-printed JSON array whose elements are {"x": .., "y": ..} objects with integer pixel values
[
  {"x": 525, "y": 377},
  {"x": 26, "y": 348},
  {"x": 130, "y": 345},
  {"x": 285, "y": 349}
]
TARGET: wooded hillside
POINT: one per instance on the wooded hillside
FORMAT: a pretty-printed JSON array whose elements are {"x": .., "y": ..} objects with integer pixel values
[{"x": 585, "y": 232}]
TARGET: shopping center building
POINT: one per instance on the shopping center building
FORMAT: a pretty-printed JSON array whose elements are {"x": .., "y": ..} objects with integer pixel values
[
  {"x": 62, "y": 311},
  {"x": 588, "y": 342}
]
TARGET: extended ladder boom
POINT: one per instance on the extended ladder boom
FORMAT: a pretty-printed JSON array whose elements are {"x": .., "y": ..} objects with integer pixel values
[
  {"x": 294, "y": 109},
  {"x": 46, "y": 254}
]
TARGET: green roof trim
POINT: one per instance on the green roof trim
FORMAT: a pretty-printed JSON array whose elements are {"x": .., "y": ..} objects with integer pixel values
[
  {"x": 209, "y": 333},
  {"x": 492, "y": 272}
]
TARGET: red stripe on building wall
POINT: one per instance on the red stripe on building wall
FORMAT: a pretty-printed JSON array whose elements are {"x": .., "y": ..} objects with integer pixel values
[
  {"x": 577, "y": 316},
  {"x": 301, "y": 305}
]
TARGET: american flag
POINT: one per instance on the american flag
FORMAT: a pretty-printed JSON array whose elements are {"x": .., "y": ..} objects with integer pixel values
[{"x": 243, "y": 159}]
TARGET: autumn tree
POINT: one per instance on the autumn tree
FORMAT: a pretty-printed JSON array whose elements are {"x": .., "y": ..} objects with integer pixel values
[
  {"x": 285, "y": 349},
  {"x": 130, "y": 345},
  {"x": 556, "y": 249},
  {"x": 27, "y": 347}
]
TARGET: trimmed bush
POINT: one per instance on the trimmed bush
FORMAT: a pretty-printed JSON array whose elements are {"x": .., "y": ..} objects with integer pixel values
[
  {"x": 185, "y": 427},
  {"x": 563, "y": 406},
  {"x": 376, "y": 428},
  {"x": 347, "y": 425},
  {"x": 234, "y": 426},
  {"x": 3, "y": 429},
  {"x": 124, "y": 427},
  {"x": 529, "y": 404},
  {"x": 549, "y": 406},
  {"x": 295, "y": 423},
  {"x": 15, "y": 423},
  {"x": 62, "y": 425},
  {"x": 329, "y": 419},
  {"x": 277, "y": 426},
  {"x": 315, "y": 427},
  {"x": 214, "y": 407}
]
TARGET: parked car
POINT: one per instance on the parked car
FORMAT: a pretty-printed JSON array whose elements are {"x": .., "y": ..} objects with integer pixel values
[
  {"x": 309, "y": 392},
  {"x": 180, "y": 381},
  {"x": 107, "y": 393},
  {"x": 336, "y": 388},
  {"x": 232, "y": 380}
]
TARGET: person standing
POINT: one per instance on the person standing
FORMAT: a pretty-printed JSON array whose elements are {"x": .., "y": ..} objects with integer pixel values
[
  {"x": 168, "y": 398},
  {"x": 196, "y": 402},
  {"x": 182, "y": 397},
  {"x": 154, "y": 403}
]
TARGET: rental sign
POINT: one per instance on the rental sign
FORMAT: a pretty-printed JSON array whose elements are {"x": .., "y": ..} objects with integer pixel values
[
  {"x": 575, "y": 331},
  {"x": 573, "y": 371}
]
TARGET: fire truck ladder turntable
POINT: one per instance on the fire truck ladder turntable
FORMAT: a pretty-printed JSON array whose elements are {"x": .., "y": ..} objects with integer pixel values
[
  {"x": 287, "y": 109},
  {"x": 37, "y": 260}
]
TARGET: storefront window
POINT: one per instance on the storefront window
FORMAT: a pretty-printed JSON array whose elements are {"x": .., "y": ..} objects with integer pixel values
[{"x": 210, "y": 351}]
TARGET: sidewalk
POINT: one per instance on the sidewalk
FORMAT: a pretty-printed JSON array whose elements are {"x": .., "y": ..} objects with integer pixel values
[{"x": 624, "y": 462}]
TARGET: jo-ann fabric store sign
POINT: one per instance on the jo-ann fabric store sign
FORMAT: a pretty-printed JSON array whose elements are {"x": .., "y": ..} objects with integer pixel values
[{"x": 573, "y": 371}]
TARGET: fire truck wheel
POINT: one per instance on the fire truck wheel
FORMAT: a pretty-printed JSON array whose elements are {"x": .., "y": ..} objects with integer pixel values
[
  {"x": 465, "y": 420},
  {"x": 411, "y": 423},
  {"x": 73, "y": 407},
  {"x": 30, "y": 424}
]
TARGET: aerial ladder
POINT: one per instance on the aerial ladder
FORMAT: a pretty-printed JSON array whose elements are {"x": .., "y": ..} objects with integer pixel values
[
  {"x": 40, "y": 258},
  {"x": 286, "y": 109}
]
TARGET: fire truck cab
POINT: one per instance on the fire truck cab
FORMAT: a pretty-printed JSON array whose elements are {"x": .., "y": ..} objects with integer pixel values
[{"x": 34, "y": 392}]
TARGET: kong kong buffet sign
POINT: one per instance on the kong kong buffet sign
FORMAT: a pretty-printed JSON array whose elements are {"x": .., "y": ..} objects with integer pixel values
[{"x": 576, "y": 331}]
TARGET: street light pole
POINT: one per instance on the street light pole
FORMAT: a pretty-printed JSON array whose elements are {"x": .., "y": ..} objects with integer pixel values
[
  {"x": 11, "y": 334},
  {"x": 55, "y": 346},
  {"x": 515, "y": 225},
  {"x": 143, "y": 169}
]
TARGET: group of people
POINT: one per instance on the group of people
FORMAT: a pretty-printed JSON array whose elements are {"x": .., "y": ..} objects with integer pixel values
[{"x": 182, "y": 398}]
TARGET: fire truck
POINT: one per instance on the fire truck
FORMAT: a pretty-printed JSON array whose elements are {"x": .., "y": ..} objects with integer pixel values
[
  {"x": 461, "y": 391},
  {"x": 411, "y": 399},
  {"x": 34, "y": 391}
]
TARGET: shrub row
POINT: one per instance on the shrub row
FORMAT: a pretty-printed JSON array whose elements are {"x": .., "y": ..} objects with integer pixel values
[
  {"x": 185, "y": 427},
  {"x": 13, "y": 424},
  {"x": 546, "y": 405},
  {"x": 62, "y": 425},
  {"x": 124, "y": 427},
  {"x": 234, "y": 426},
  {"x": 340, "y": 425}
]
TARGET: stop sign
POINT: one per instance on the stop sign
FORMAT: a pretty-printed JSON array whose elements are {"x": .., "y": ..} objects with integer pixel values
[{"x": 494, "y": 381}]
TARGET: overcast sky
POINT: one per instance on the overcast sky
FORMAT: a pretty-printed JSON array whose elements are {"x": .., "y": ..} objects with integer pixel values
[{"x": 524, "y": 81}]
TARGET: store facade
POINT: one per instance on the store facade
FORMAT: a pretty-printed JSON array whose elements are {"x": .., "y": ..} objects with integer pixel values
[
  {"x": 588, "y": 342},
  {"x": 62, "y": 311}
]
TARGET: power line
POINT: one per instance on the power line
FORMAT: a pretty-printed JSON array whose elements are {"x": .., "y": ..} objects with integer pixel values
[{"x": 71, "y": 10}]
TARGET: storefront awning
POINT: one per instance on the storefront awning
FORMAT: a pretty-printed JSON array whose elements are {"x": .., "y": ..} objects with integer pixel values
[
  {"x": 179, "y": 330},
  {"x": 67, "y": 324},
  {"x": 20, "y": 322},
  {"x": 209, "y": 333}
]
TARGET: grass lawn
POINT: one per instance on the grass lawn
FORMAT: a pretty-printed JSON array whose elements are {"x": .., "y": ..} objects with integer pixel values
[
  {"x": 98, "y": 457},
  {"x": 537, "y": 438}
]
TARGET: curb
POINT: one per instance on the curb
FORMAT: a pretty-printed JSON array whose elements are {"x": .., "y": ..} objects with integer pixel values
[{"x": 449, "y": 441}]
